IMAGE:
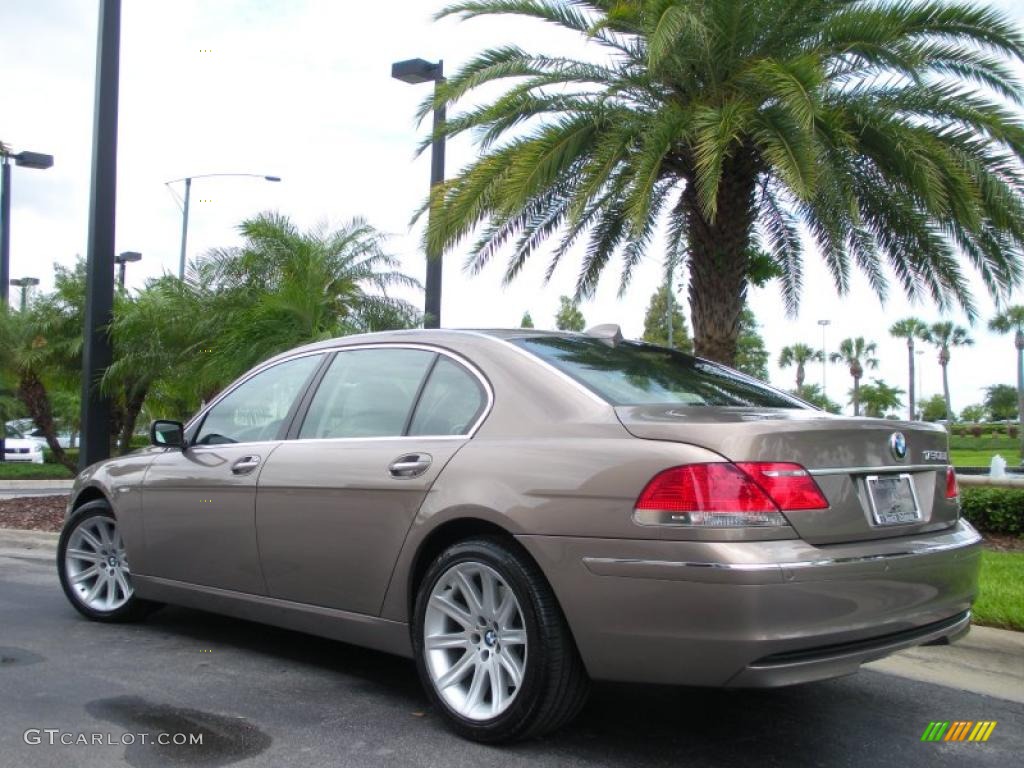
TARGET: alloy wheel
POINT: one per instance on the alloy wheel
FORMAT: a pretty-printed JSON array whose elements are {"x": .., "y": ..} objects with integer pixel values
[{"x": 96, "y": 565}]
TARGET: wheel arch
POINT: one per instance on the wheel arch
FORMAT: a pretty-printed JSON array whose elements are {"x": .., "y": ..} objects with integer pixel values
[{"x": 90, "y": 493}]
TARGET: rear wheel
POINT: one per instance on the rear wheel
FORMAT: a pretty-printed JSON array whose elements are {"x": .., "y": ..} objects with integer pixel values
[
  {"x": 93, "y": 566},
  {"x": 493, "y": 650}
]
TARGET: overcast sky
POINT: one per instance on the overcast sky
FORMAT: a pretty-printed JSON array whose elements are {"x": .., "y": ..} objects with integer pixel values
[{"x": 302, "y": 90}]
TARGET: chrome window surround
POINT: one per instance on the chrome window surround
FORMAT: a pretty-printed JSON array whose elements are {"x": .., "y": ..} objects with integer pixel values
[{"x": 477, "y": 373}]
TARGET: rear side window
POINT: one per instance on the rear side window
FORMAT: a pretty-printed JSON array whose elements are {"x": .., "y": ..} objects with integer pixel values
[
  {"x": 451, "y": 401},
  {"x": 366, "y": 393},
  {"x": 631, "y": 373}
]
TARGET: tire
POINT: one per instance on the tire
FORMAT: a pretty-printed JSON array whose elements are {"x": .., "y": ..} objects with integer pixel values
[
  {"x": 453, "y": 648},
  {"x": 107, "y": 595}
]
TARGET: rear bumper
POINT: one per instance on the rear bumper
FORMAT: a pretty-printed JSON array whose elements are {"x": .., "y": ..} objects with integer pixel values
[{"x": 756, "y": 613}]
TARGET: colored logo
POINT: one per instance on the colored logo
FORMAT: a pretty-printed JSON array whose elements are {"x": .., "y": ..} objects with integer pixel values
[
  {"x": 958, "y": 730},
  {"x": 898, "y": 445}
]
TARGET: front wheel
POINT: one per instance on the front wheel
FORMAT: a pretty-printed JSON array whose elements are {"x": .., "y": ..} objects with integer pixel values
[
  {"x": 492, "y": 647},
  {"x": 93, "y": 566}
]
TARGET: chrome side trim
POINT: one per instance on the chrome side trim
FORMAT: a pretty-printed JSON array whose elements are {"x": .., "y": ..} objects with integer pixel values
[
  {"x": 875, "y": 470},
  {"x": 471, "y": 367},
  {"x": 602, "y": 563}
]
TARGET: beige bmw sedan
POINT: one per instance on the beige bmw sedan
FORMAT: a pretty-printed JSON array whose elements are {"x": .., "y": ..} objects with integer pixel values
[{"x": 522, "y": 512}]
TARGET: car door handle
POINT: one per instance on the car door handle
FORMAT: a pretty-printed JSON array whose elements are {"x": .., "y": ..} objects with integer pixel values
[
  {"x": 245, "y": 465},
  {"x": 410, "y": 465}
]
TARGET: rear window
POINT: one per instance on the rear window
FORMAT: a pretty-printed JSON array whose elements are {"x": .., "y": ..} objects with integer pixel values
[{"x": 632, "y": 373}]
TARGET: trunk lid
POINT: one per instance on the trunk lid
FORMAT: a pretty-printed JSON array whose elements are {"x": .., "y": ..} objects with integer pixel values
[{"x": 842, "y": 453}]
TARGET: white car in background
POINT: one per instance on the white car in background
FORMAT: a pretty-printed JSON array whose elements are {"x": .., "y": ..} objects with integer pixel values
[
  {"x": 17, "y": 447},
  {"x": 29, "y": 430}
]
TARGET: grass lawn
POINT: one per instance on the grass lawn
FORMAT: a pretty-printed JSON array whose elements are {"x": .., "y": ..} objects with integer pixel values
[
  {"x": 1001, "y": 591},
  {"x": 982, "y": 458},
  {"x": 13, "y": 471}
]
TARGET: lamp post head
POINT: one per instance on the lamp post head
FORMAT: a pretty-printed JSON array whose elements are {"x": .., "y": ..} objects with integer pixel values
[
  {"x": 126, "y": 256},
  {"x": 24, "y": 282},
  {"x": 416, "y": 71},
  {"x": 272, "y": 178},
  {"x": 35, "y": 160},
  {"x": 823, "y": 323}
]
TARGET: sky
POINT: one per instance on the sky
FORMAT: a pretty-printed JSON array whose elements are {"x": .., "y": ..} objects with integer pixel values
[{"x": 302, "y": 90}]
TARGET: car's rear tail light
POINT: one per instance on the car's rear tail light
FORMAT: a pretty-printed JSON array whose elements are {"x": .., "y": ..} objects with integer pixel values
[
  {"x": 724, "y": 495},
  {"x": 789, "y": 485},
  {"x": 952, "y": 490}
]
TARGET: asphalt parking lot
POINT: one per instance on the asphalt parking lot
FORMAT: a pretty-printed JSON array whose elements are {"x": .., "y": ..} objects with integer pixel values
[{"x": 267, "y": 697}]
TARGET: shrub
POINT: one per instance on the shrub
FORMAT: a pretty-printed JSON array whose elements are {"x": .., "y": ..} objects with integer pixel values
[
  {"x": 1014, "y": 432},
  {"x": 960, "y": 431},
  {"x": 994, "y": 510}
]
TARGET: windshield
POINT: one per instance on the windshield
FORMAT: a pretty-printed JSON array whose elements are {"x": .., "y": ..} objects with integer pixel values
[
  {"x": 13, "y": 433},
  {"x": 633, "y": 373}
]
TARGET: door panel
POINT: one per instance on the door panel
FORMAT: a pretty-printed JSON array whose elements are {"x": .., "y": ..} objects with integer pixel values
[
  {"x": 331, "y": 517},
  {"x": 199, "y": 516},
  {"x": 199, "y": 504}
]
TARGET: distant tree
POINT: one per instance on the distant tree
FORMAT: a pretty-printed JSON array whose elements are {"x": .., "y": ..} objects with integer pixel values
[
  {"x": 812, "y": 394},
  {"x": 934, "y": 408},
  {"x": 527, "y": 321},
  {"x": 1001, "y": 402},
  {"x": 944, "y": 336},
  {"x": 751, "y": 353},
  {"x": 856, "y": 354},
  {"x": 799, "y": 355},
  {"x": 569, "y": 317},
  {"x": 973, "y": 413},
  {"x": 656, "y": 327},
  {"x": 1011, "y": 320},
  {"x": 912, "y": 329},
  {"x": 879, "y": 399}
]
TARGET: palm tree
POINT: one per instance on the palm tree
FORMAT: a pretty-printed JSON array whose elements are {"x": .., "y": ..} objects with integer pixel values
[
  {"x": 911, "y": 329},
  {"x": 856, "y": 354},
  {"x": 879, "y": 398},
  {"x": 944, "y": 336},
  {"x": 799, "y": 355},
  {"x": 284, "y": 287},
  {"x": 729, "y": 125},
  {"x": 1011, "y": 320}
]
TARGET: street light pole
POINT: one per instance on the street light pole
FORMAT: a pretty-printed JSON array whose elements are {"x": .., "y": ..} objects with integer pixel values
[
  {"x": 24, "y": 283},
  {"x": 97, "y": 353},
  {"x": 824, "y": 357},
  {"x": 36, "y": 160},
  {"x": 422, "y": 71},
  {"x": 122, "y": 260},
  {"x": 185, "y": 207}
]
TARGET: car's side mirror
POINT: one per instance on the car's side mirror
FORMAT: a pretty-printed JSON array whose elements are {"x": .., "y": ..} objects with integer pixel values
[{"x": 165, "y": 433}]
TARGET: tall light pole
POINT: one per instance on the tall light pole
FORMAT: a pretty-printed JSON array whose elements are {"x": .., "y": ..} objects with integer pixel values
[
  {"x": 97, "y": 353},
  {"x": 669, "y": 275},
  {"x": 824, "y": 357},
  {"x": 35, "y": 160},
  {"x": 24, "y": 283},
  {"x": 423, "y": 71},
  {"x": 121, "y": 260},
  {"x": 187, "y": 199}
]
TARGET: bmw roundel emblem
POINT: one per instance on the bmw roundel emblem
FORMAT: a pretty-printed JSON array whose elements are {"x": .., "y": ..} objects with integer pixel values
[{"x": 898, "y": 445}]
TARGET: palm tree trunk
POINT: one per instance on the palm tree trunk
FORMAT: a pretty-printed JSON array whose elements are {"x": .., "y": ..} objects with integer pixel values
[
  {"x": 32, "y": 392},
  {"x": 719, "y": 259},
  {"x": 910, "y": 389},
  {"x": 799, "y": 376},
  {"x": 130, "y": 418},
  {"x": 945, "y": 391},
  {"x": 856, "y": 395}
]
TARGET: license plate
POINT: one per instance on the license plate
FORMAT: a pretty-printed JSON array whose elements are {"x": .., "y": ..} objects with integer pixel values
[{"x": 893, "y": 499}]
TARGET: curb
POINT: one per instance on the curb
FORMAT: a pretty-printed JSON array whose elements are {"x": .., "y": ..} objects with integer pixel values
[{"x": 32, "y": 485}]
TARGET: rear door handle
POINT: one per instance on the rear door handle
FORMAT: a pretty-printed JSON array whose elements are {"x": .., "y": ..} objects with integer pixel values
[
  {"x": 245, "y": 465},
  {"x": 410, "y": 465}
]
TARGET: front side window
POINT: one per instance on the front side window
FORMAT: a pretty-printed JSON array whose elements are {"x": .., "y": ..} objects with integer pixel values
[
  {"x": 255, "y": 410},
  {"x": 451, "y": 401},
  {"x": 367, "y": 393},
  {"x": 632, "y": 373}
]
